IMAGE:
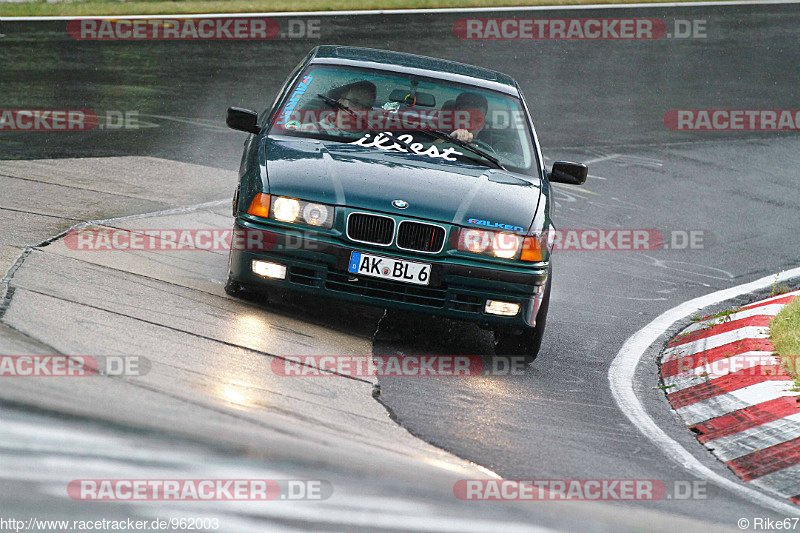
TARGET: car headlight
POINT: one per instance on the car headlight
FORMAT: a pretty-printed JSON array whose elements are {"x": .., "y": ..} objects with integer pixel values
[
  {"x": 285, "y": 209},
  {"x": 497, "y": 243},
  {"x": 317, "y": 214},
  {"x": 474, "y": 240},
  {"x": 302, "y": 212},
  {"x": 505, "y": 245},
  {"x": 292, "y": 210}
]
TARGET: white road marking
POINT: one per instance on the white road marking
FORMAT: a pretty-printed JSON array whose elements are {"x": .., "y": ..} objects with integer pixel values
[
  {"x": 783, "y": 482},
  {"x": 715, "y": 341},
  {"x": 599, "y": 159},
  {"x": 772, "y": 299},
  {"x": 756, "y": 438},
  {"x": 735, "y": 400},
  {"x": 452, "y": 10},
  {"x": 716, "y": 369},
  {"x": 627, "y": 160},
  {"x": 621, "y": 377},
  {"x": 208, "y": 124},
  {"x": 764, "y": 310},
  {"x": 153, "y": 214},
  {"x": 662, "y": 263}
]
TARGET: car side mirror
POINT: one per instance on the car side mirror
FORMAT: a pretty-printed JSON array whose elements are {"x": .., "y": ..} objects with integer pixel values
[
  {"x": 571, "y": 173},
  {"x": 242, "y": 120}
]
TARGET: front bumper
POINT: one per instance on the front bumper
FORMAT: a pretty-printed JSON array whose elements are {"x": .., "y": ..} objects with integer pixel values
[{"x": 457, "y": 289}]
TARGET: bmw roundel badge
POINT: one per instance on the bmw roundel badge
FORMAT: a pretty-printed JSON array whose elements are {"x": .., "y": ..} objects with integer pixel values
[{"x": 400, "y": 204}]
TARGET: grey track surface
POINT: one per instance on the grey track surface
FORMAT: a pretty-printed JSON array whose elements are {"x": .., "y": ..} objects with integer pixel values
[
  {"x": 600, "y": 102},
  {"x": 211, "y": 406}
]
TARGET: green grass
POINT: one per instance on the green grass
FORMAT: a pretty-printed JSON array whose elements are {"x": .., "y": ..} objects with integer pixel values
[
  {"x": 722, "y": 316},
  {"x": 777, "y": 290},
  {"x": 785, "y": 335},
  {"x": 161, "y": 7}
]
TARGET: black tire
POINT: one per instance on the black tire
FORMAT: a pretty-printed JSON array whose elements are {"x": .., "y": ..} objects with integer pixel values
[{"x": 528, "y": 342}]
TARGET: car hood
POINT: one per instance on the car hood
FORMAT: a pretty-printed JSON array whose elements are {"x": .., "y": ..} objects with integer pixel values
[{"x": 370, "y": 178}]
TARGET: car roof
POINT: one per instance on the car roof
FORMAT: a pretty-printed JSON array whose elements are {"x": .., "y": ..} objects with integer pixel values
[{"x": 414, "y": 64}]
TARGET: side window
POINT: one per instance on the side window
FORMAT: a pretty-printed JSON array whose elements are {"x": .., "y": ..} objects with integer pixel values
[{"x": 542, "y": 171}]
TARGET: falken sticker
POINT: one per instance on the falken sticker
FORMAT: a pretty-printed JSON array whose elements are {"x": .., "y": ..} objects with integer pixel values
[
  {"x": 301, "y": 89},
  {"x": 494, "y": 225}
]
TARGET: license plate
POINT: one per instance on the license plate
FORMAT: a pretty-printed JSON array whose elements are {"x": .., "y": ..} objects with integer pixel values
[{"x": 378, "y": 266}]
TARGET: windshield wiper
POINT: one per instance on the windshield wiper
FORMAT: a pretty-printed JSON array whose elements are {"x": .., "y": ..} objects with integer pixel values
[
  {"x": 339, "y": 105},
  {"x": 433, "y": 133},
  {"x": 474, "y": 149}
]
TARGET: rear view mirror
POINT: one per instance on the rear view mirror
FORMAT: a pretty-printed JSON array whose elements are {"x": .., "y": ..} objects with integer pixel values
[
  {"x": 571, "y": 173},
  {"x": 242, "y": 120},
  {"x": 405, "y": 97}
]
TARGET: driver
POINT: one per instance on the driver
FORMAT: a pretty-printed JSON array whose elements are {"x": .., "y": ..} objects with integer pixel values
[
  {"x": 358, "y": 96},
  {"x": 471, "y": 102}
]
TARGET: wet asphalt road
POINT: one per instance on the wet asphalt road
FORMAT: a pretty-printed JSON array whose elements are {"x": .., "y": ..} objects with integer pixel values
[{"x": 597, "y": 102}]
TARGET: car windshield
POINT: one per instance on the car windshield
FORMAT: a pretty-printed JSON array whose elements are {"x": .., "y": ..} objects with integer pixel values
[{"x": 375, "y": 108}]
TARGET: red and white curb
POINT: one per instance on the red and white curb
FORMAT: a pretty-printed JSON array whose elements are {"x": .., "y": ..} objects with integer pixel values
[{"x": 721, "y": 377}]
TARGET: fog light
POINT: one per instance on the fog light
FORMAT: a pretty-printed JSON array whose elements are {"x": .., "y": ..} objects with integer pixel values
[
  {"x": 269, "y": 270},
  {"x": 501, "y": 308}
]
